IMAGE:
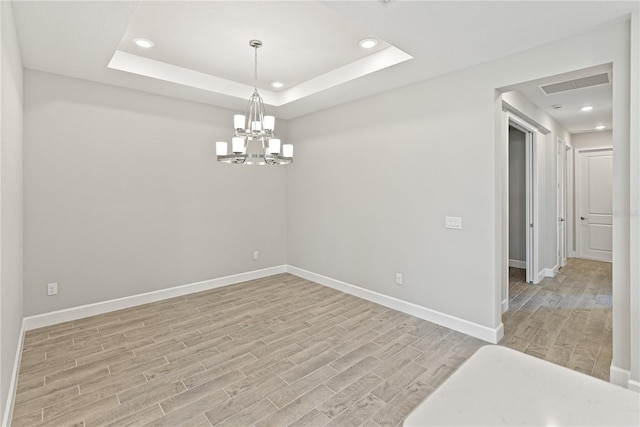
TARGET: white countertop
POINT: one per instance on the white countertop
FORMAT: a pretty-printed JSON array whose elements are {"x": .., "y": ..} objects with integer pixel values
[{"x": 500, "y": 386}]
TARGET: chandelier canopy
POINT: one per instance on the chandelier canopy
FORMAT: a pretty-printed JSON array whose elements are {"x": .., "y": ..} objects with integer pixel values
[{"x": 254, "y": 127}]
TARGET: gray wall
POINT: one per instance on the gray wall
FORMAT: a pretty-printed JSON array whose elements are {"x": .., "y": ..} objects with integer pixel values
[
  {"x": 123, "y": 195},
  {"x": 11, "y": 213},
  {"x": 517, "y": 196},
  {"x": 581, "y": 141},
  {"x": 375, "y": 178}
]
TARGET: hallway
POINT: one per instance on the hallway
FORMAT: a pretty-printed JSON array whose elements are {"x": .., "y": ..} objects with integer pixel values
[{"x": 566, "y": 319}]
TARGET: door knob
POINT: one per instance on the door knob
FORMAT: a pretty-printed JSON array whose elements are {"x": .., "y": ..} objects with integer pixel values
[
  {"x": 583, "y": 218},
  {"x": 561, "y": 219}
]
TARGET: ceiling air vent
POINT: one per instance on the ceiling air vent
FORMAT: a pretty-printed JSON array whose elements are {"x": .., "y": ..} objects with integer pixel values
[{"x": 582, "y": 82}]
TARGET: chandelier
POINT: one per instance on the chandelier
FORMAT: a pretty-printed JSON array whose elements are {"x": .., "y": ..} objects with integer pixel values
[{"x": 254, "y": 127}]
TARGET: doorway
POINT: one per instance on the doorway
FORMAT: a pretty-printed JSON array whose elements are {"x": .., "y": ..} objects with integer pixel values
[
  {"x": 522, "y": 193},
  {"x": 572, "y": 116},
  {"x": 594, "y": 204},
  {"x": 518, "y": 199}
]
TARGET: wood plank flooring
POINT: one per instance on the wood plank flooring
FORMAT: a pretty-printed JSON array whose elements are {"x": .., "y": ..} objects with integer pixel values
[
  {"x": 566, "y": 319},
  {"x": 285, "y": 351}
]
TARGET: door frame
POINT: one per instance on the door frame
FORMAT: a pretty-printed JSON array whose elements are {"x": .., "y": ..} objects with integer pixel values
[
  {"x": 510, "y": 118},
  {"x": 531, "y": 160},
  {"x": 578, "y": 190},
  {"x": 562, "y": 202}
]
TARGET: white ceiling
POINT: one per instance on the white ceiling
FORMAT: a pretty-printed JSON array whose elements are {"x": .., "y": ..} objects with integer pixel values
[
  {"x": 213, "y": 38},
  {"x": 565, "y": 106},
  {"x": 201, "y": 50}
]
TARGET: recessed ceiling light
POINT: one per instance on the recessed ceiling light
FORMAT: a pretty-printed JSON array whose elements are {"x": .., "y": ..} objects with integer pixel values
[
  {"x": 586, "y": 108},
  {"x": 145, "y": 43},
  {"x": 600, "y": 127},
  {"x": 277, "y": 84},
  {"x": 368, "y": 43}
]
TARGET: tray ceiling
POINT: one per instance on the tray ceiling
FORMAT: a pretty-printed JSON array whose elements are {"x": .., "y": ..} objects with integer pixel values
[{"x": 201, "y": 50}]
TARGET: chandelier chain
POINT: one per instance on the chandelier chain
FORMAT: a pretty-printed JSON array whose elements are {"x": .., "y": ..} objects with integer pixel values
[{"x": 255, "y": 70}]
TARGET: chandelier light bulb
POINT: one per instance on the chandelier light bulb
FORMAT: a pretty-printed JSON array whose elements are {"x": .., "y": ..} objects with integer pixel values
[
  {"x": 269, "y": 123},
  {"x": 221, "y": 148},
  {"x": 238, "y": 121},
  {"x": 274, "y": 146},
  {"x": 238, "y": 145},
  {"x": 287, "y": 150}
]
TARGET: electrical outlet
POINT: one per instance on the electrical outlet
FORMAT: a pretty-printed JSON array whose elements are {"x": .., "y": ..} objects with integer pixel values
[
  {"x": 398, "y": 278},
  {"x": 52, "y": 289},
  {"x": 256, "y": 255}
]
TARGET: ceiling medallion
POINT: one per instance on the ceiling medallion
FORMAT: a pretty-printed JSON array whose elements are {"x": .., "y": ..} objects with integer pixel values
[{"x": 254, "y": 127}]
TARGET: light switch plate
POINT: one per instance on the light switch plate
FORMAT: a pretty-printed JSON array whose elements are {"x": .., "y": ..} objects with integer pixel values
[
  {"x": 454, "y": 222},
  {"x": 52, "y": 289}
]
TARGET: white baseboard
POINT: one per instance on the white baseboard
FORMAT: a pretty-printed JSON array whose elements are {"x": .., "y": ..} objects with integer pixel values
[
  {"x": 541, "y": 275},
  {"x": 551, "y": 272},
  {"x": 619, "y": 376},
  {"x": 11, "y": 395},
  {"x": 516, "y": 263},
  {"x": 634, "y": 385},
  {"x": 492, "y": 335},
  {"x": 74, "y": 313},
  {"x": 505, "y": 305}
]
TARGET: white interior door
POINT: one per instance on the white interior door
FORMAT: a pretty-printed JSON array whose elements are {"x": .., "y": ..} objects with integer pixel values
[
  {"x": 595, "y": 204},
  {"x": 531, "y": 194},
  {"x": 530, "y": 181},
  {"x": 562, "y": 203}
]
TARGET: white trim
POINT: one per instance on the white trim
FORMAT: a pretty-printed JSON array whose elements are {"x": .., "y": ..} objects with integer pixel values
[
  {"x": 505, "y": 305},
  {"x": 502, "y": 211},
  {"x": 540, "y": 276},
  {"x": 11, "y": 395},
  {"x": 532, "y": 133},
  {"x": 551, "y": 272},
  {"x": 619, "y": 376},
  {"x": 595, "y": 148},
  {"x": 492, "y": 335},
  {"x": 634, "y": 202},
  {"x": 132, "y": 63},
  {"x": 519, "y": 122},
  {"x": 54, "y": 317},
  {"x": 516, "y": 263},
  {"x": 561, "y": 192}
]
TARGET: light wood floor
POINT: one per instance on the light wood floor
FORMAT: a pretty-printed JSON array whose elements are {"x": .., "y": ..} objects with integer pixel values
[
  {"x": 286, "y": 351},
  {"x": 565, "y": 320}
]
